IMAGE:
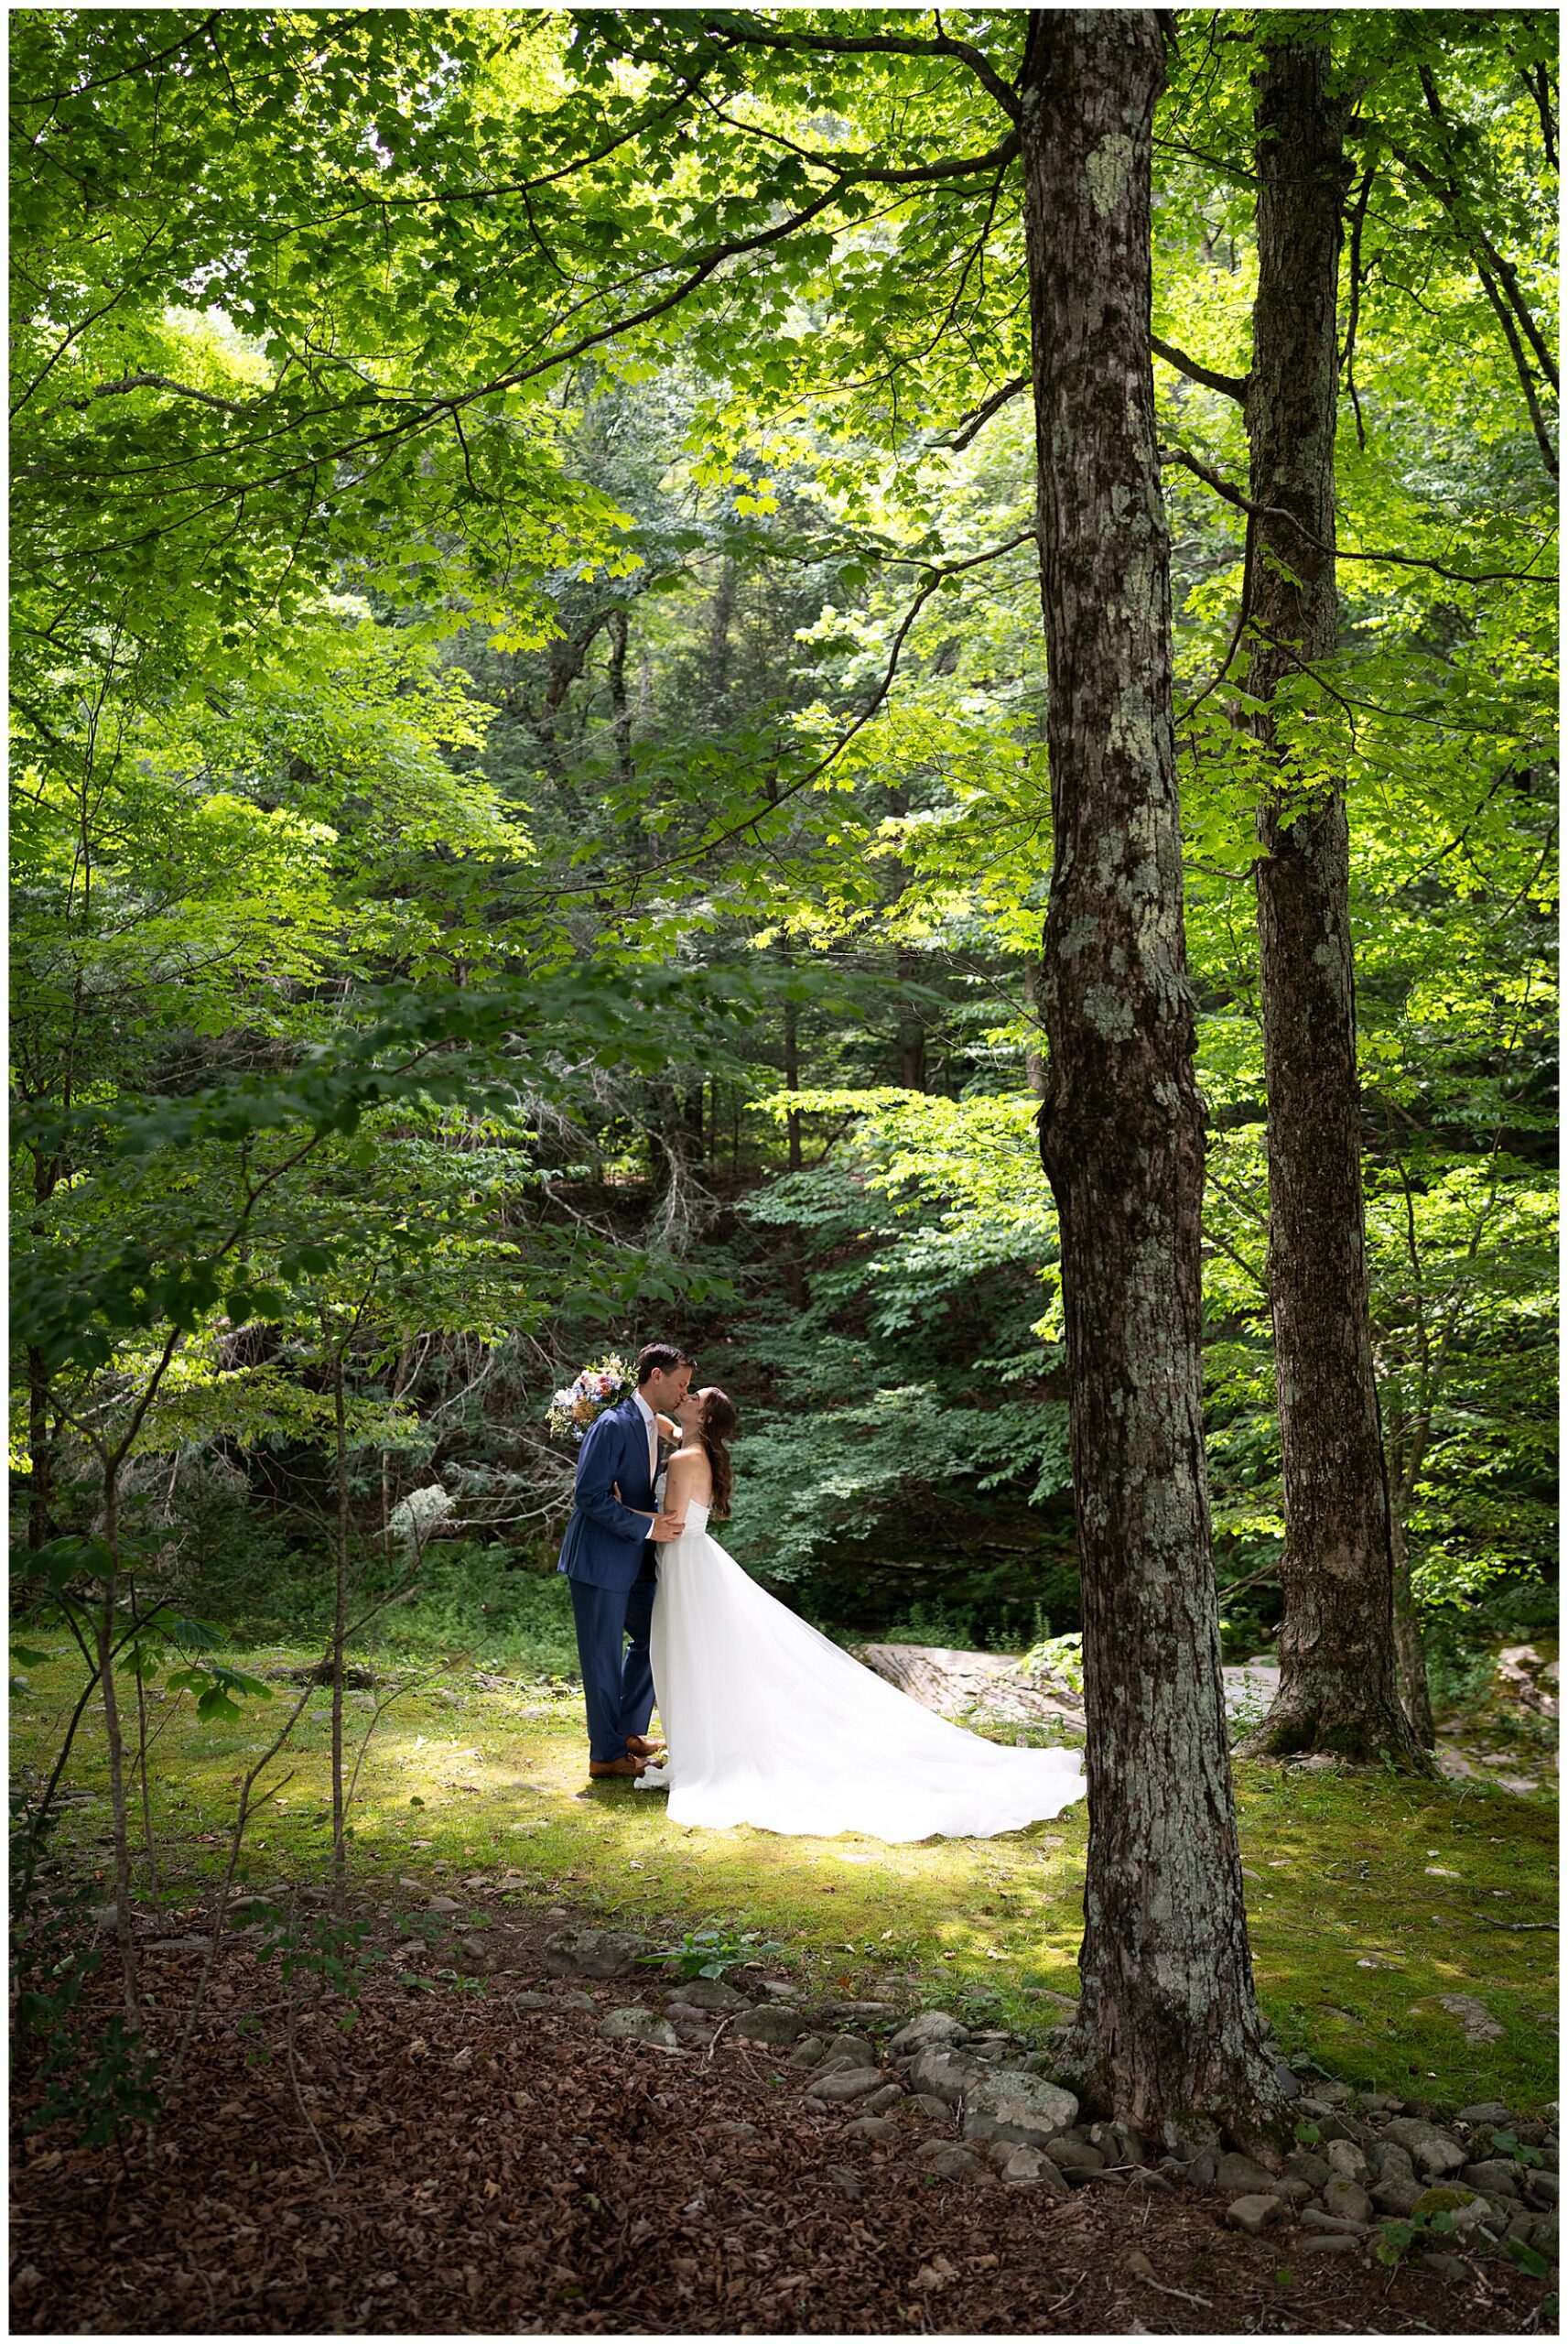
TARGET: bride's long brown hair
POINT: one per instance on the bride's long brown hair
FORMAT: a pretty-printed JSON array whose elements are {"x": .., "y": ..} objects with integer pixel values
[{"x": 714, "y": 1428}]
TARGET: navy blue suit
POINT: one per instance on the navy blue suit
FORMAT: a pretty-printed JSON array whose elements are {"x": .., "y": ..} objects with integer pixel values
[{"x": 609, "y": 1559}]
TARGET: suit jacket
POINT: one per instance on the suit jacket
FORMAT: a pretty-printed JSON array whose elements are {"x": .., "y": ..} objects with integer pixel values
[{"x": 607, "y": 1535}]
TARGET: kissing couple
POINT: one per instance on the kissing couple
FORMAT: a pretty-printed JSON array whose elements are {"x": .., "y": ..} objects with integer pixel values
[{"x": 767, "y": 1722}]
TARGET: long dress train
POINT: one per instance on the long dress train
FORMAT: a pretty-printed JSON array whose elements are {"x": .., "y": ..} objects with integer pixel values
[{"x": 770, "y": 1723}]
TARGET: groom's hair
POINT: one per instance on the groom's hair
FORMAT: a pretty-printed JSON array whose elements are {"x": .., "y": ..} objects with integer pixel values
[{"x": 659, "y": 1358}]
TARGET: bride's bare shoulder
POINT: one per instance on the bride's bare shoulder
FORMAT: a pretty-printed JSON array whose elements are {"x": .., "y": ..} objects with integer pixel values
[{"x": 688, "y": 1469}]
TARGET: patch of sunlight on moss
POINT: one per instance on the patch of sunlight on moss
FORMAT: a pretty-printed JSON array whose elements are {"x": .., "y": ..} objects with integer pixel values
[{"x": 1341, "y": 1863}]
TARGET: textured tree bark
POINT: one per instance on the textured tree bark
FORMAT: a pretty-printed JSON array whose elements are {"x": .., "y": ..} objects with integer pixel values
[
  {"x": 1168, "y": 2023},
  {"x": 1338, "y": 1682}
]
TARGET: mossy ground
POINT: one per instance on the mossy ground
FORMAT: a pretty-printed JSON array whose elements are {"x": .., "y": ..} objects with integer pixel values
[{"x": 1369, "y": 1897}]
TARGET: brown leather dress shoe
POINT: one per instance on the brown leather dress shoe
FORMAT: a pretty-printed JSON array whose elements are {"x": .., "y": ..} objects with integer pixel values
[
  {"x": 599, "y": 1768},
  {"x": 640, "y": 1748}
]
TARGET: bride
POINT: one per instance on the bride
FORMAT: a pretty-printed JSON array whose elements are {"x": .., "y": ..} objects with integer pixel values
[{"x": 772, "y": 1724}]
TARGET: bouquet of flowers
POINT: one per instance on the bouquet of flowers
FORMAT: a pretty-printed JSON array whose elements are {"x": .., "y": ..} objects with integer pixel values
[{"x": 595, "y": 1388}]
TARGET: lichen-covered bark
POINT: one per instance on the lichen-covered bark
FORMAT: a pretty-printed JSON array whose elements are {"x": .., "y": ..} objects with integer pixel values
[
  {"x": 1338, "y": 1675},
  {"x": 1167, "y": 2020}
]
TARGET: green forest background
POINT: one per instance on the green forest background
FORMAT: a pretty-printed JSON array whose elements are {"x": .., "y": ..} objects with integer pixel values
[{"x": 498, "y": 882}]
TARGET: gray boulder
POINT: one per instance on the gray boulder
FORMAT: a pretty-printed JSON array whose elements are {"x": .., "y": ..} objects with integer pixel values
[
  {"x": 949, "y": 2159},
  {"x": 890, "y": 2095},
  {"x": 1006, "y": 2104},
  {"x": 1348, "y": 2200},
  {"x": 1021, "y": 2165},
  {"x": 1494, "y": 2176},
  {"x": 1484, "y": 2111},
  {"x": 772, "y": 2023},
  {"x": 941, "y": 2075},
  {"x": 844, "y": 2083},
  {"x": 1241, "y": 2174},
  {"x": 709, "y": 1994},
  {"x": 1305, "y": 2166},
  {"x": 635, "y": 2025},
  {"x": 1253, "y": 2214},
  {"x": 1076, "y": 2159},
  {"x": 872, "y": 2128},
  {"x": 1395, "y": 2196},
  {"x": 1432, "y": 2151},
  {"x": 807, "y": 2051},
  {"x": 579, "y": 1952},
  {"x": 928, "y": 2030}
]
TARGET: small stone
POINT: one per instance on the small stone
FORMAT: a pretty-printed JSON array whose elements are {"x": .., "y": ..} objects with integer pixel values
[
  {"x": 1484, "y": 2111},
  {"x": 949, "y": 2159},
  {"x": 872, "y": 2128},
  {"x": 1493, "y": 2177},
  {"x": 890, "y": 2096},
  {"x": 1390, "y": 2162},
  {"x": 1138, "y": 2265},
  {"x": 1076, "y": 2159},
  {"x": 846, "y": 2181},
  {"x": 710, "y": 1994},
  {"x": 734, "y": 2128},
  {"x": 1253, "y": 2214},
  {"x": 1463, "y": 2205},
  {"x": 1349, "y": 2160},
  {"x": 573, "y": 1999},
  {"x": 769, "y": 2025},
  {"x": 1328, "y": 2243},
  {"x": 1541, "y": 2188},
  {"x": 926, "y": 2031},
  {"x": 1034, "y": 2164},
  {"x": 1430, "y": 2151},
  {"x": 942, "y": 2075},
  {"x": 1348, "y": 2200},
  {"x": 848, "y": 2083},
  {"x": 1476, "y": 2020},
  {"x": 594, "y": 1953},
  {"x": 1006, "y": 2104},
  {"x": 635, "y": 2025},
  {"x": 445, "y": 1904},
  {"x": 1444, "y": 2266},
  {"x": 859, "y": 2047},
  {"x": 1305, "y": 2166},
  {"x": 1238, "y": 2173},
  {"x": 1116, "y": 2143},
  {"x": 807, "y": 2051},
  {"x": 1396, "y": 2195},
  {"x": 926, "y": 2103},
  {"x": 1315, "y": 2218},
  {"x": 531, "y": 2001}
]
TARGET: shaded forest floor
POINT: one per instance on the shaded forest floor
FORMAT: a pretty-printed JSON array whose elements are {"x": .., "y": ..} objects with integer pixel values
[{"x": 459, "y": 2163}]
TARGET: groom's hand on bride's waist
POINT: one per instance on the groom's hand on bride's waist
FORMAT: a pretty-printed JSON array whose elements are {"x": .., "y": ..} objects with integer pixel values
[{"x": 666, "y": 1527}]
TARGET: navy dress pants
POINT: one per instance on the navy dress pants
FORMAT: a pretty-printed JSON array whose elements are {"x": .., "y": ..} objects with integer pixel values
[{"x": 612, "y": 1626}]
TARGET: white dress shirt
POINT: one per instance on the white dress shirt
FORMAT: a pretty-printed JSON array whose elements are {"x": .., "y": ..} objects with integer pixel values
[{"x": 650, "y": 1420}]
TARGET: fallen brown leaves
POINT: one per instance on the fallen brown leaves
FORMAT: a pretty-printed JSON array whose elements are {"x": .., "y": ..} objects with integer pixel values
[{"x": 501, "y": 2172}]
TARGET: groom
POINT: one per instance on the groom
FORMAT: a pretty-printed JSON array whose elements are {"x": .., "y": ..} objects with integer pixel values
[{"x": 607, "y": 1557}]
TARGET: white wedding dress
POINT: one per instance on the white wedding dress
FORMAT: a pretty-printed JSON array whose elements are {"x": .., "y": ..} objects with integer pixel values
[{"x": 770, "y": 1723}]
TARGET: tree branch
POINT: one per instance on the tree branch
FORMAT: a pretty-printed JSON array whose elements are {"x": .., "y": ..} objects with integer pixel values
[
  {"x": 815, "y": 44},
  {"x": 1232, "y": 386},
  {"x": 1233, "y": 495}
]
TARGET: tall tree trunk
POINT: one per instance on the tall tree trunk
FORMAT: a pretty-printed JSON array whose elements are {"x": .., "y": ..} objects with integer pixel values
[
  {"x": 115, "y": 1742},
  {"x": 40, "y": 1453},
  {"x": 621, "y": 712},
  {"x": 340, "y": 1629},
  {"x": 1410, "y": 1646},
  {"x": 1168, "y": 2022},
  {"x": 1339, "y": 1678}
]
